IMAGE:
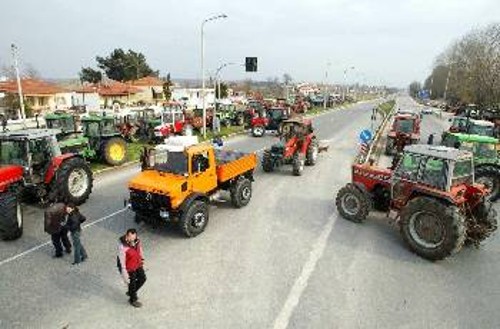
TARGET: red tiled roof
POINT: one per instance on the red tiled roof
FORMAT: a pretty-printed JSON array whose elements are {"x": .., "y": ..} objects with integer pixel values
[
  {"x": 148, "y": 82},
  {"x": 116, "y": 88},
  {"x": 31, "y": 87},
  {"x": 111, "y": 88}
]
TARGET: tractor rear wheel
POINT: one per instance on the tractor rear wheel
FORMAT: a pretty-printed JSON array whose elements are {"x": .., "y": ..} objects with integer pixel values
[
  {"x": 194, "y": 220},
  {"x": 258, "y": 131},
  {"x": 11, "y": 216},
  {"x": 352, "y": 204},
  {"x": 267, "y": 161},
  {"x": 482, "y": 224},
  {"x": 312, "y": 153},
  {"x": 115, "y": 151},
  {"x": 241, "y": 192},
  {"x": 432, "y": 229},
  {"x": 298, "y": 163},
  {"x": 490, "y": 177},
  {"x": 73, "y": 182}
]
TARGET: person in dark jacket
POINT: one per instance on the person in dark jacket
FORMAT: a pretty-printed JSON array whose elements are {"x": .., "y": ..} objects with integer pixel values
[
  {"x": 130, "y": 264},
  {"x": 55, "y": 225},
  {"x": 75, "y": 219}
]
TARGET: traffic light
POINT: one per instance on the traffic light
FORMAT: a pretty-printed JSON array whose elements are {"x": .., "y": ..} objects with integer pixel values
[{"x": 251, "y": 64}]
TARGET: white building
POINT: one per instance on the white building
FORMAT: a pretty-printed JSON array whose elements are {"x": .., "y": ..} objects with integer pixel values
[{"x": 191, "y": 97}]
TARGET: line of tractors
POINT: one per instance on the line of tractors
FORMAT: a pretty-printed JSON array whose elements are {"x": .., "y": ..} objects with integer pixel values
[{"x": 431, "y": 191}]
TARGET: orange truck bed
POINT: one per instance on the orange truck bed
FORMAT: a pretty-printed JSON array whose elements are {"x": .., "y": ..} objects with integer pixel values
[{"x": 231, "y": 164}]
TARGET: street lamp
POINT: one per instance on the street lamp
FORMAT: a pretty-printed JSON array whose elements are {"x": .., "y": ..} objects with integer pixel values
[
  {"x": 206, "y": 20},
  {"x": 326, "y": 95},
  {"x": 19, "y": 87},
  {"x": 345, "y": 81}
]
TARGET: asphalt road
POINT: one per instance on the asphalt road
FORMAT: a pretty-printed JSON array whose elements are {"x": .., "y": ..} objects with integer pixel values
[{"x": 285, "y": 260}]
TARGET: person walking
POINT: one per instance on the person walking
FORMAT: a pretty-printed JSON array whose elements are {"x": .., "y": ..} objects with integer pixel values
[
  {"x": 75, "y": 219},
  {"x": 130, "y": 264},
  {"x": 55, "y": 224}
]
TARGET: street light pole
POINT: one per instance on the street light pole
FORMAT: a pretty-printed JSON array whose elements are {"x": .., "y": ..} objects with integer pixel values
[
  {"x": 326, "y": 96},
  {"x": 447, "y": 81},
  {"x": 19, "y": 87},
  {"x": 345, "y": 81},
  {"x": 211, "y": 18}
]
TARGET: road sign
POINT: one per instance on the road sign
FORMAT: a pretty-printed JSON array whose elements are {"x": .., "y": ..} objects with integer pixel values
[
  {"x": 251, "y": 64},
  {"x": 365, "y": 136}
]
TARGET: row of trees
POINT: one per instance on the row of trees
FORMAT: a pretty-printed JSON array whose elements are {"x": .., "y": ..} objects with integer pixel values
[{"x": 469, "y": 70}]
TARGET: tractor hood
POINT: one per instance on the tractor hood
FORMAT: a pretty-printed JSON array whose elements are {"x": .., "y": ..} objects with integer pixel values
[
  {"x": 153, "y": 181},
  {"x": 10, "y": 174}
]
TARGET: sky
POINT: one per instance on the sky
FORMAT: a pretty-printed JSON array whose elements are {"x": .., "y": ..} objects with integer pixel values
[{"x": 391, "y": 42}]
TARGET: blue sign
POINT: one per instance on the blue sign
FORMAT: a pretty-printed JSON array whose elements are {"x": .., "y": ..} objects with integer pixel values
[
  {"x": 365, "y": 136},
  {"x": 424, "y": 94}
]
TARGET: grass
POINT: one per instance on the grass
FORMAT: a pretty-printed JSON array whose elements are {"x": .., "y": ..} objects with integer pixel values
[
  {"x": 224, "y": 131},
  {"x": 386, "y": 108}
]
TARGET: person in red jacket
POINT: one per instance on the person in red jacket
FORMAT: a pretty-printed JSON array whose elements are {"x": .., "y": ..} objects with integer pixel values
[{"x": 130, "y": 264}]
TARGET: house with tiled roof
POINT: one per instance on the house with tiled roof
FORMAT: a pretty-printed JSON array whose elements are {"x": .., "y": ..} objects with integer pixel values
[
  {"x": 151, "y": 90},
  {"x": 38, "y": 95}
]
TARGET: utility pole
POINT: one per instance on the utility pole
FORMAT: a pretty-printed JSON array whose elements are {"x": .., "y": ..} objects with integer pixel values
[{"x": 19, "y": 86}]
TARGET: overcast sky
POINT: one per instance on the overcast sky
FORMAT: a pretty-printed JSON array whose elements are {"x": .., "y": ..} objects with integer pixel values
[{"x": 389, "y": 41}]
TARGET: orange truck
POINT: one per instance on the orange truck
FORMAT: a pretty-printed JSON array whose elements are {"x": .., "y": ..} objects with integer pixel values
[{"x": 178, "y": 182}]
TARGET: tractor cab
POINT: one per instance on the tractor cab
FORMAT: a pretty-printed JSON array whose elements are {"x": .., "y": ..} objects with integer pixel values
[
  {"x": 62, "y": 121},
  {"x": 106, "y": 141},
  {"x": 295, "y": 128},
  {"x": 33, "y": 149},
  {"x": 482, "y": 128},
  {"x": 172, "y": 121},
  {"x": 433, "y": 170}
]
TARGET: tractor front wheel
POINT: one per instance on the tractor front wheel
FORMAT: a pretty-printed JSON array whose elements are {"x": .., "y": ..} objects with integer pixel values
[
  {"x": 432, "y": 229},
  {"x": 298, "y": 163},
  {"x": 312, "y": 153},
  {"x": 352, "y": 204},
  {"x": 73, "y": 182},
  {"x": 258, "y": 131},
  {"x": 11, "y": 216},
  {"x": 194, "y": 220},
  {"x": 115, "y": 151},
  {"x": 489, "y": 176}
]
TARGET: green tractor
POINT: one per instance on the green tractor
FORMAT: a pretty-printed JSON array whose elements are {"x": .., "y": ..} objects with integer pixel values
[
  {"x": 486, "y": 158},
  {"x": 146, "y": 120},
  {"x": 105, "y": 142},
  {"x": 99, "y": 140}
]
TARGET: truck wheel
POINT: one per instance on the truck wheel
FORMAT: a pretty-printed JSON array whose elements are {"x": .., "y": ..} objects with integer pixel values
[
  {"x": 241, "y": 193},
  {"x": 73, "y": 181},
  {"x": 267, "y": 161},
  {"x": 298, "y": 164},
  {"x": 312, "y": 153},
  {"x": 258, "y": 131},
  {"x": 490, "y": 177},
  {"x": 194, "y": 220},
  {"x": 11, "y": 216},
  {"x": 432, "y": 229},
  {"x": 352, "y": 204},
  {"x": 115, "y": 151}
]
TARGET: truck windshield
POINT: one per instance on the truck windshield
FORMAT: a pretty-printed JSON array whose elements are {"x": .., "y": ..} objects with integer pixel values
[
  {"x": 171, "y": 162},
  {"x": 13, "y": 152},
  {"x": 462, "y": 173}
]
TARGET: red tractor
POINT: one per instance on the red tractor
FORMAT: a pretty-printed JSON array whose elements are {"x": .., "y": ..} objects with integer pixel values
[
  {"x": 433, "y": 196},
  {"x": 404, "y": 127},
  {"x": 298, "y": 146},
  {"x": 31, "y": 164},
  {"x": 173, "y": 122},
  {"x": 268, "y": 120}
]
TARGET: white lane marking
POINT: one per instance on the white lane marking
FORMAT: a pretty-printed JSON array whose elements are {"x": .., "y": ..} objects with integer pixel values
[
  {"x": 300, "y": 284},
  {"x": 35, "y": 248}
]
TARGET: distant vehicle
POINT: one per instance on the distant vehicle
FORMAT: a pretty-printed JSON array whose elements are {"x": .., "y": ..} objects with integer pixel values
[{"x": 426, "y": 110}]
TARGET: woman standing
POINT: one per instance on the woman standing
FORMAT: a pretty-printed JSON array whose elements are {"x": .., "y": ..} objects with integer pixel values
[{"x": 75, "y": 219}]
